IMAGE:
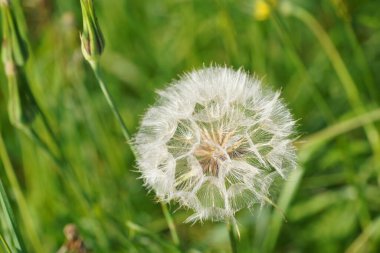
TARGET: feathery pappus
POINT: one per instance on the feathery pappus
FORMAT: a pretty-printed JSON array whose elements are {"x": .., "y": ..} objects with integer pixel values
[{"x": 215, "y": 141}]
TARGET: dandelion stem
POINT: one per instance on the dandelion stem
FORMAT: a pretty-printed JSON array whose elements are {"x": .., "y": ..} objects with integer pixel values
[
  {"x": 231, "y": 234},
  {"x": 107, "y": 95},
  {"x": 169, "y": 220},
  {"x": 92, "y": 47},
  {"x": 110, "y": 101}
]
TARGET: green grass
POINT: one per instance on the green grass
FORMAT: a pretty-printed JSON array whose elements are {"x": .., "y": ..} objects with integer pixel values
[{"x": 323, "y": 55}]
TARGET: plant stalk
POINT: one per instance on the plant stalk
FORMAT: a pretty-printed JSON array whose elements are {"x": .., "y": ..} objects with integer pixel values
[
  {"x": 20, "y": 199},
  {"x": 110, "y": 101},
  {"x": 232, "y": 236},
  {"x": 171, "y": 225}
]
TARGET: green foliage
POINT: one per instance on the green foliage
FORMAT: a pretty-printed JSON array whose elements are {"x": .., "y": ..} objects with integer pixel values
[{"x": 324, "y": 55}]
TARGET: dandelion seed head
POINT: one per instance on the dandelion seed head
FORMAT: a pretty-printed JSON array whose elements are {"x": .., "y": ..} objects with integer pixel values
[{"x": 215, "y": 141}]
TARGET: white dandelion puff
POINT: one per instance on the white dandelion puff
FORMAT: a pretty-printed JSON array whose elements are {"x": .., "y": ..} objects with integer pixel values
[{"x": 215, "y": 142}]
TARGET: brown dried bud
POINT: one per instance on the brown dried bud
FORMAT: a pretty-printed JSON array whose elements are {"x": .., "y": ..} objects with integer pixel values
[{"x": 73, "y": 244}]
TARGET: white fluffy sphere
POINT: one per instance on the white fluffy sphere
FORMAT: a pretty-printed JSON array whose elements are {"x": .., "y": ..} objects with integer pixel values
[{"x": 215, "y": 141}]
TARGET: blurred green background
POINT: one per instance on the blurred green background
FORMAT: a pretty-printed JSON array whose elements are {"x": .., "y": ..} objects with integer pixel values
[{"x": 323, "y": 55}]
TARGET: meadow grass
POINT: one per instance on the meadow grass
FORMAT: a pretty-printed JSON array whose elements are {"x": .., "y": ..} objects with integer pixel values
[{"x": 323, "y": 55}]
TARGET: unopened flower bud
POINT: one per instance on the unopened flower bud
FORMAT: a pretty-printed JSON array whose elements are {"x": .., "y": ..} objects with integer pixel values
[{"x": 92, "y": 40}]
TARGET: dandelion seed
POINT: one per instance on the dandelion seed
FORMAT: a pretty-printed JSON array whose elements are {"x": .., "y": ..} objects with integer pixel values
[{"x": 214, "y": 142}]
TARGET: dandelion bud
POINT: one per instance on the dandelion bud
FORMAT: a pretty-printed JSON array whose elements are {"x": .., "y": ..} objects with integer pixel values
[
  {"x": 91, "y": 38},
  {"x": 215, "y": 142}
]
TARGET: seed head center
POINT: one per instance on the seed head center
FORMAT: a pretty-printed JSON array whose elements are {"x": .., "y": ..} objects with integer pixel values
[{"x": 215, "y": 148}]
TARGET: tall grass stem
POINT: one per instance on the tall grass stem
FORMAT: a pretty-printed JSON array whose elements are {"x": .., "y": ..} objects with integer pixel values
[
  {"x": 8, "y": 217},
  {"x": 341, "y": 70},
  {"x": 4, "y": 244},
  {"x": 20, "y": 199}
]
